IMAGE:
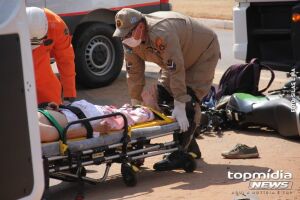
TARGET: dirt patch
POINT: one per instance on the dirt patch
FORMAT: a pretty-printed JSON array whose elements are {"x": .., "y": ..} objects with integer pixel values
[{"x": 214, "y": 9}]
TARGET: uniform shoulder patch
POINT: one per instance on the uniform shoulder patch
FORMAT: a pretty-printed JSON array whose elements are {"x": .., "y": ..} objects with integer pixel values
[{"x": 160, "y": 44}]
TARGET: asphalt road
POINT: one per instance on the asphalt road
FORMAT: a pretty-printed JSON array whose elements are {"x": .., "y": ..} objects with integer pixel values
[{"x": 226, "y": 44}]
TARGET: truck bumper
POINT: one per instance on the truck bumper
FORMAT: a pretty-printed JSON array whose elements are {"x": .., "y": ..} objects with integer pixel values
[{"x": 240, "y": 31}]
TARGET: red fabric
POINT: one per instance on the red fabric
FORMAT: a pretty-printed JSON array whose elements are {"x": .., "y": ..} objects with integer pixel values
[{"x": 49, "y": 88}]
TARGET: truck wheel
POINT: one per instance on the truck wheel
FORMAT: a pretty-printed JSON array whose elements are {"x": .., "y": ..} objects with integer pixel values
[{"x": 98, "y": 56}]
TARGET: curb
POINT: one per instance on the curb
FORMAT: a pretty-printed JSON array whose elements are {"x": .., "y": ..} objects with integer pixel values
[{"x": 217, "y": 23}]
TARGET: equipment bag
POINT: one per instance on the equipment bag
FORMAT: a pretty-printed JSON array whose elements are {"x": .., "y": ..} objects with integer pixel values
[{"x": 243, "y": 78}]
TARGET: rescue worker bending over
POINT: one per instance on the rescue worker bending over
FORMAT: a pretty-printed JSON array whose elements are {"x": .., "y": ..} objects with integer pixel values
[
  {"x": 187, "y": 53},
  {"x": 50, "y": 37}
]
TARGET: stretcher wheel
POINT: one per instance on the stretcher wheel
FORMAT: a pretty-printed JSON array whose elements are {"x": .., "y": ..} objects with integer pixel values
[
  {"x": 190, "y": 164},
  {"x": 129, "y": 175}
]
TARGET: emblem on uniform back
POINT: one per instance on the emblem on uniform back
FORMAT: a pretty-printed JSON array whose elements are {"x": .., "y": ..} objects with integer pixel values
[{"x": 119, "y": 23}]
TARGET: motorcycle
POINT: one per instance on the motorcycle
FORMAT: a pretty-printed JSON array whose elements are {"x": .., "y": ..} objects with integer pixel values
[{"x": 279, "y": 110}]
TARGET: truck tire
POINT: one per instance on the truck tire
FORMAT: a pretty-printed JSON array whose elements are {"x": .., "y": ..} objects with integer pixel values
[{"x": 98, "y": 56}]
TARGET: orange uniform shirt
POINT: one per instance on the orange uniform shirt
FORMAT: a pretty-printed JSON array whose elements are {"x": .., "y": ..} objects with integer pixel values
[{"x": 49, "y": 88}]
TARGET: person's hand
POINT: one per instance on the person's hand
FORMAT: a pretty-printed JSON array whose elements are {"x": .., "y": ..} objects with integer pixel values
[
  {"x": 135, "y": 102},
  {"x": 52, "y": 106},
  {"x": 102, "y": 127},
  {"x": 179, "y": 114}
]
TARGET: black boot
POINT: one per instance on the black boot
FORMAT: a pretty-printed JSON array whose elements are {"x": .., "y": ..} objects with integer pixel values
[
  {"x": 177, "y": 160},
  {"x": 187, "y": 141},
  {"x": 194, "y": 149},
  {"x": 172, "y": 161}
]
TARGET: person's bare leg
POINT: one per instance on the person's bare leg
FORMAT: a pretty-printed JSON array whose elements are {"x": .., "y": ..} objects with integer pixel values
[
  {"x": 48, "y": 133},
  {"x": 149, "y": 97}
]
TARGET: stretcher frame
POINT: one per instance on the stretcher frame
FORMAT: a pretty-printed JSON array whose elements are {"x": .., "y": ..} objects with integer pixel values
[{"x": 128, "y": 152}]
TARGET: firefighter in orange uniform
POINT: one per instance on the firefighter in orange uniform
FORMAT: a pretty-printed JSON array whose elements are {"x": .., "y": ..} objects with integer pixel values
[{"x": 50, "y": 37}]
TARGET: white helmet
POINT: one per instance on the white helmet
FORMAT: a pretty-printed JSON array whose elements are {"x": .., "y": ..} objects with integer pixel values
[{"x": 38, "y": 24}]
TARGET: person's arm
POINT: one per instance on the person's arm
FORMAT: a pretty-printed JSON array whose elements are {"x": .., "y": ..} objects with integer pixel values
[
  {"x": 135, "y": 68},
  {"x": 170, "y": 50},
  {"x": 49, "y": 133},
  {"x": 167, "y": 42},
  {"x": 149, "y": 96},
  {"x": 64, "y": 56}
]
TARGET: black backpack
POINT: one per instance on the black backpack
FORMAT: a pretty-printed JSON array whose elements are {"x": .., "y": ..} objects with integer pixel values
[{"x": 243, "y": 78}]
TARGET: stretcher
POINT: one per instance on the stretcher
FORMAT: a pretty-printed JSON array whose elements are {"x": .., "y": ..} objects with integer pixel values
[{"x": 66, "y": 159}]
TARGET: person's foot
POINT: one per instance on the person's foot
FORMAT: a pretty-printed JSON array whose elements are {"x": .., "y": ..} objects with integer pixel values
[
  {"x": 170, "y": 162},
  {"x": 194, "y": 149},
  {"x": 241, "y": 151},
  {"x": 175, "y": 160}
]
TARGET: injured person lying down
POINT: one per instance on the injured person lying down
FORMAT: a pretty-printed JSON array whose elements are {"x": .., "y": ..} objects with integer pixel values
[
  {"x": 54, "y": 118},
  {"x": 63, "y": 116}
]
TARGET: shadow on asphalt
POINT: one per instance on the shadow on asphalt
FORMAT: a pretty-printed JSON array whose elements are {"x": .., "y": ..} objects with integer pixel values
[{"x": 205, "y": 175}]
